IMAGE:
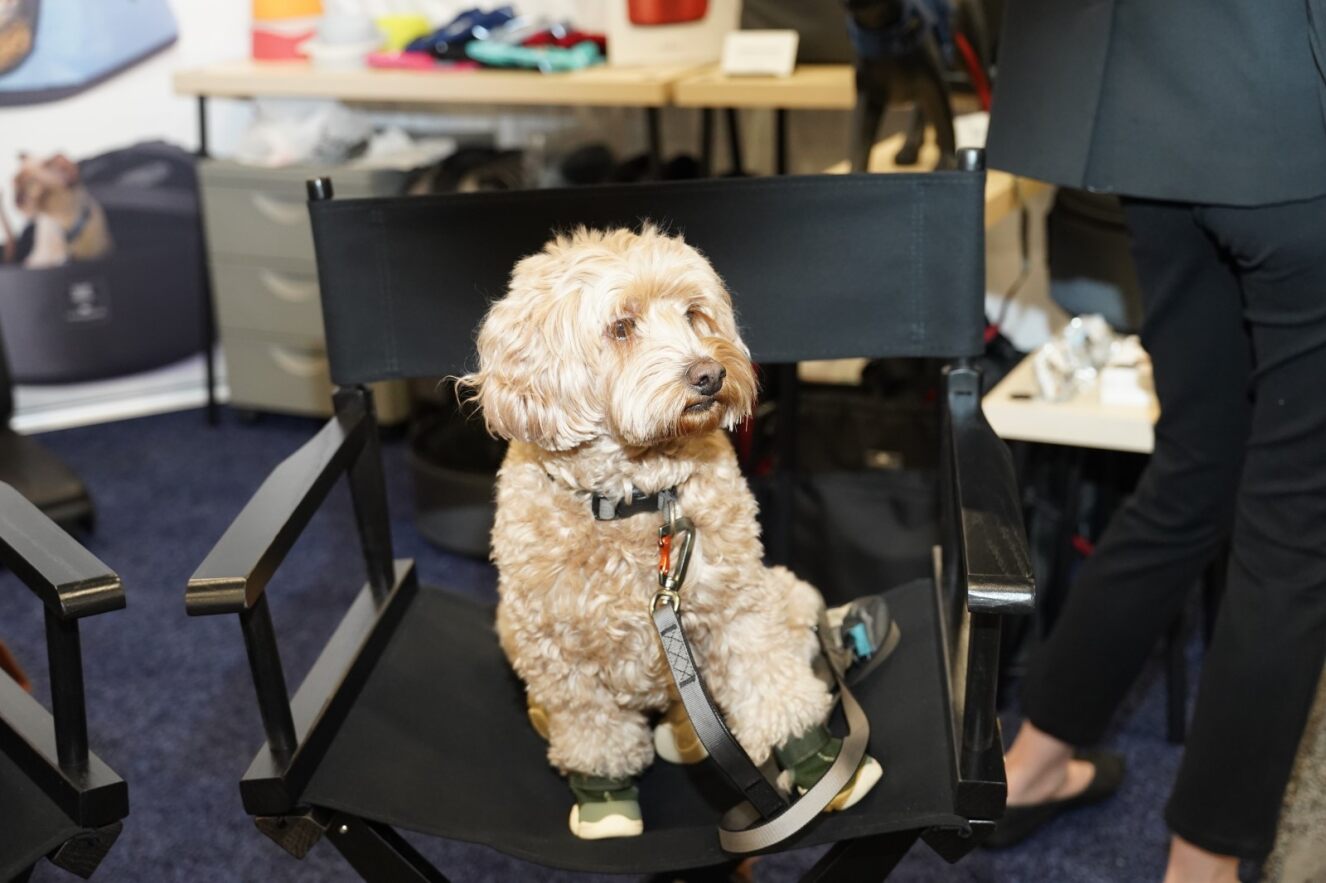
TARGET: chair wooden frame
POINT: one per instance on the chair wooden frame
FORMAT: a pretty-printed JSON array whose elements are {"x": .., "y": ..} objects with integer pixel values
[{"x": 51, "y": 748}]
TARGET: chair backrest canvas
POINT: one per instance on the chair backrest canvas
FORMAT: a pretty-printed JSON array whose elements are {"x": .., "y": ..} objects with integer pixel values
[{"x": 824, "y": 266}]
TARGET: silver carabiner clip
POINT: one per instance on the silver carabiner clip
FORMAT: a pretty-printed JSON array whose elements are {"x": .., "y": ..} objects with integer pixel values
[{"x": 676, "y": 540}]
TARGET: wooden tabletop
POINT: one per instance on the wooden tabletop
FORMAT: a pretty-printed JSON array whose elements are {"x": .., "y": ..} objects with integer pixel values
[
  {"x": 810, "y": 87},
  {"x": 601, "y": 85},
  {"x": 1015, "y": 412}
]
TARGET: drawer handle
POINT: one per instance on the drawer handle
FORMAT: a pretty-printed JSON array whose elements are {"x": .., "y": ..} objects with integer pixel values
[
  {"x": 295, "y": 291},
  {"x": 279, "y": 211},
  {"x": 298, "y": 364}
]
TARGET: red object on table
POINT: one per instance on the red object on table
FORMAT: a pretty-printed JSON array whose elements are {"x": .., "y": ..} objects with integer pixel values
[
  {"x": 666, "y": 12},
  {"x": 275, "y": 44},
  {"x": 567, "y": 40}
]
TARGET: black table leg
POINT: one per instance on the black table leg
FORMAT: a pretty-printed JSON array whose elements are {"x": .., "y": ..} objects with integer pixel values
[
  {"x": 707, "y": 142},
  {"x": 780, "y": 141},
  {"x": 738, "y": 167},
  {"x": 654, "y": 135},
  {"x": 209, "y": 324}
]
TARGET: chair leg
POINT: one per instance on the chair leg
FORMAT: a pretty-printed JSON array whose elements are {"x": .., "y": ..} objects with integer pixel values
[
  {"x": 81, "y": 854},
  {"x": 863, "y": 859},
  {"x": 378, "y": 853},
  {"x": 723, "y": 873}
]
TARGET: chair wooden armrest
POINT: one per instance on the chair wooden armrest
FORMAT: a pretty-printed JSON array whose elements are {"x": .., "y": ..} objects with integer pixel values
[
  {"x": 68, "y": 579},
  {"x": 71, "y": 583},
  {"x": 235, "y": 573}
]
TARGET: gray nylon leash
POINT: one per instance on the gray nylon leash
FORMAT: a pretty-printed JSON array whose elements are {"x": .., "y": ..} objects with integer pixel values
[{"x": 736, "y": 833}]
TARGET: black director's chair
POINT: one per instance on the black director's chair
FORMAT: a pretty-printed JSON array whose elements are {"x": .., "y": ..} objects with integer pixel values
[
  {"x": 57, "y": 798},
  {"x": 410, "y": 718}
]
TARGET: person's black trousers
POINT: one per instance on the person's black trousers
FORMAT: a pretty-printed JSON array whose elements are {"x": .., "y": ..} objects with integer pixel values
[{"x": 1235, "y": 322}]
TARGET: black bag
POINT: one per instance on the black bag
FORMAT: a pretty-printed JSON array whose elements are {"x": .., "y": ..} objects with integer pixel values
[{"x": 865, "y": 496}]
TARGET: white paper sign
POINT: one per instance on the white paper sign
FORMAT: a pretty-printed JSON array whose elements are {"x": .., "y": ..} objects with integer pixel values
[{"x": 760, "y": 53}]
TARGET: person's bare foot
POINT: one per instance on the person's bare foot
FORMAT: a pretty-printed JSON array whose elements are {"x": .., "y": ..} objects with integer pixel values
[
  {"x": 1192, "y": 864},
  {"x": 1041, "y": 768}
]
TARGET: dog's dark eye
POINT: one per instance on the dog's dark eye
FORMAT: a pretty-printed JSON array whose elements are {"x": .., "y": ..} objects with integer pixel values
[
  {"x": 697, "y": 317},
  {"x": 622, "y": 328}
]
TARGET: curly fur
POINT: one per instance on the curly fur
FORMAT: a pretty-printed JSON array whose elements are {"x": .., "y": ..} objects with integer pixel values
[{"x": 587, "y": 409}]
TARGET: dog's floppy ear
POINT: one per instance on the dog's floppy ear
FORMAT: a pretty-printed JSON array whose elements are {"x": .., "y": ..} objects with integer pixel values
[{"x": 534, "y": 376}]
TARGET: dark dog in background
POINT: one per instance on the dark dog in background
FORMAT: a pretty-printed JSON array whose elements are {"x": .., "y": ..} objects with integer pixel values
[{"x": 898, "y": 58}]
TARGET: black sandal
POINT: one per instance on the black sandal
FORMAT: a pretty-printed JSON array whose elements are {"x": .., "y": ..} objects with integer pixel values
[{"x": 1020, "y": 822}]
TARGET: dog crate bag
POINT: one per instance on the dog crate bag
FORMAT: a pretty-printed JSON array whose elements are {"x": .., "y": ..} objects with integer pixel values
[{"x": 139, "y": 307}]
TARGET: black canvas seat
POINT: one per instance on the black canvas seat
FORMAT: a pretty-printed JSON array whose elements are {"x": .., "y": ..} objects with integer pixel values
[
  {"x": 411, "y": 717},
  {"x": 57, "y": 799},
  {"x": 429, "y": 731}
]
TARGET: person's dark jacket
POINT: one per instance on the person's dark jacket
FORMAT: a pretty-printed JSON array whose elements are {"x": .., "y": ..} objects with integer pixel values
[{"x": 1209, "y": 101}]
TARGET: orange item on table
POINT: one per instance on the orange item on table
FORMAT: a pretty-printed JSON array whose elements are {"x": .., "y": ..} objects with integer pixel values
[
  {"x": 279, "y": 26},
  {"x": 277, "y": 10}
]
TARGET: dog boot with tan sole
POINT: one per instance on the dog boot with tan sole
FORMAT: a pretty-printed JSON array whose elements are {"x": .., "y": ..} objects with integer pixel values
[
  {"x": 806, "y": 758},
  {"x": 604, "y": 807}
]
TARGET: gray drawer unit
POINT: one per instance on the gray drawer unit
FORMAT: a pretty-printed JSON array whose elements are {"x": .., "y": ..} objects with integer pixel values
[
  {"x": 290, "y": 376},
  {"x": 253, "y": 211},
  {"x": 267, "y": 295},
  {"x": 265, "y": 284}
]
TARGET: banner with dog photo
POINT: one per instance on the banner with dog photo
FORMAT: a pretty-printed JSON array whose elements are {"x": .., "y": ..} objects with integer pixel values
[{"x": 101, "y": 264}]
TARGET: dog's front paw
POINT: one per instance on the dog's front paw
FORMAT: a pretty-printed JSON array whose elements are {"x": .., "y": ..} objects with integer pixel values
[{"x": 605, "y": 807}]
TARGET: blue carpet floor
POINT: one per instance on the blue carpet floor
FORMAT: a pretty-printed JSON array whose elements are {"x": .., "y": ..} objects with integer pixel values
[{"x": 172, "y": 707}]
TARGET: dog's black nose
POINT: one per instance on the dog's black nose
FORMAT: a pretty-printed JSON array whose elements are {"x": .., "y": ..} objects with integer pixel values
[{"x": 706, "y": 376}]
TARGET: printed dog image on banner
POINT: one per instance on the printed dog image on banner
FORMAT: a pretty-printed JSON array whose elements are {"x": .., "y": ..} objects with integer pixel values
[
  {"x": 67, "y": 223},
  {"x": 613, "y": 365}
]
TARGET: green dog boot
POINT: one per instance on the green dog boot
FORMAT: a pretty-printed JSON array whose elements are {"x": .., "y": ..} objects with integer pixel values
[
  {"x": 604, "y": 807},
  {"x": 806, "y": 758}
]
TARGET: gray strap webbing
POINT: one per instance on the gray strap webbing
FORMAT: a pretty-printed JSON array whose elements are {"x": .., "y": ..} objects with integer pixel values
[{"x": 736, "y": 833}]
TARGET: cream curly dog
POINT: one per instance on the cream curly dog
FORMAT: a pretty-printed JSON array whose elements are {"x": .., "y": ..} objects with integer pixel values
[{"x": 612, "y": 364}]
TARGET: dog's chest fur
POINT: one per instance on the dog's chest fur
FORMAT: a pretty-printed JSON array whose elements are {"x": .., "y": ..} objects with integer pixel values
[{"x": 575, "y": 592}]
